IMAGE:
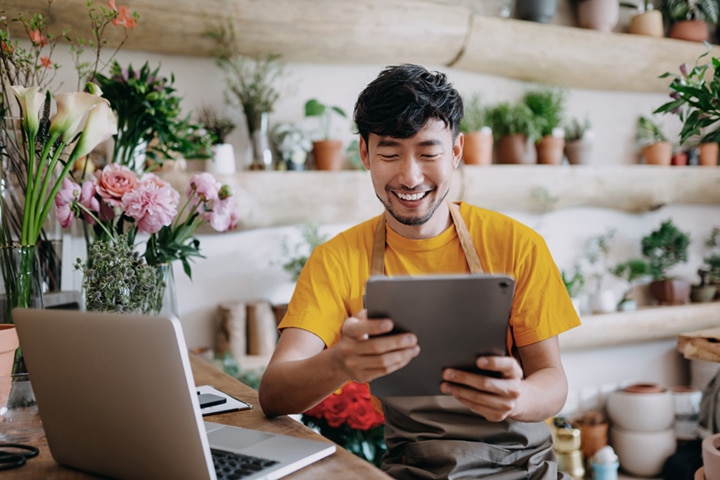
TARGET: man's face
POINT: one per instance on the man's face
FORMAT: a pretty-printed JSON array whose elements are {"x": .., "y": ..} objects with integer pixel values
[{"x": 412, "y": 176}]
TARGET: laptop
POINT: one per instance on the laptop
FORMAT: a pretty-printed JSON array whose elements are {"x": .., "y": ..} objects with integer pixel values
[
  {"x": 116, "y": 397},
  {"x": 456, "y": 317}
]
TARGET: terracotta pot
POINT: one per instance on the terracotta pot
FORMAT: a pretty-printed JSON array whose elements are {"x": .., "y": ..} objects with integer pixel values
[
  {"x": 691, "y": 30},
  {"x": 708, "y": 154},
  {"x": 514, "y": 149},
  {"x": 679, "y": 159},
  {"x": 673, "y": 291},
  {"x": 578, "y": 152},
  {"x": 8, "y": 344},
  {"x": 601, "y": 15},
  {"x": 328, "y": 154},
  {"x": 658, "y": 153},
  {"x": 593, "y": 433},
  {"x": 550, "y": 150},
  {"x": 478, "y": 148},
  {"x": 648, "y": 23}
]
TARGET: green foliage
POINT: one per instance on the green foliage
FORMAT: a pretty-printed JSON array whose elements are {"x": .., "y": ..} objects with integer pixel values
[
  {"x": 548, "y": 106},
  {"x": 228, "y": 364},
  {"x": 148, "y": 110},
  {"x": 678, "y": 10},
  {"x": 665, "y": 248},
  {"x": 117, "y": 279},
  {"x": 475, "y": 117},
  {"x": 299, "y": 254},
  {"x": 313, "y": 108},
  {"x": 508, "y": 118},
  {"x": 631, "y": 270},
  {"x": 576, "y": 129},
  {"x": 218, "y": 126},
  {"x": 648, "y": 132},
  {"x": 694, "y": 98},
  {"x": 573, "y": 283}
]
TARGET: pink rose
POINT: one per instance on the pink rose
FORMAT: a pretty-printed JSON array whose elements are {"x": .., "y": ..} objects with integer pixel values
[
  {"x": 88, "y": 199},
  {"x": 151, "y": 206},
  {"x": 114, "y": 181},
  {"x": 63, "y": 202}
]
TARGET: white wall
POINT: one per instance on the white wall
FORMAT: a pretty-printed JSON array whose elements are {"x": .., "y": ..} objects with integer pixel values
[{"x": 245, "y": 265}]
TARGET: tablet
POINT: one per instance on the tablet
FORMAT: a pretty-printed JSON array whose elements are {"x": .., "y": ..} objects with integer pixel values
[{"x": 455, "y": 317}]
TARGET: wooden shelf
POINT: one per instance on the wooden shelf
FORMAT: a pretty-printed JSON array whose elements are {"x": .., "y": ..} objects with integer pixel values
[
  {"x": 644, "y": 325},
  {"x": 270, "y": 199},
  {"x": 431, "y": 32}
]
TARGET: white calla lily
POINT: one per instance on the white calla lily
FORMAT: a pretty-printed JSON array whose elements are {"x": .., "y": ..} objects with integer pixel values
[
  {"x": 31, "y": 101},
  {"x": 71, "y": 110},
  {"x": 101, "y": 124}
]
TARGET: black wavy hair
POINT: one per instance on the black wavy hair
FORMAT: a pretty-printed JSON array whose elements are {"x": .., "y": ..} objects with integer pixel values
[{"x": 401, "y": 100}]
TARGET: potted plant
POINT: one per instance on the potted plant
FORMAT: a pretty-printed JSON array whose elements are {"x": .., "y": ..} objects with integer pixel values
[
  {"x": 219, "y": 127},
  {"x": 578, "y": 141},
  {"x": 630, "y": 271},
  {"x": 328, "y": 152},
  {"x": 548, "y": 106},
  {"x": 694, "y": 96},
  {"x": 292, "y": 145},
  {"x": 477, "y": 149},
  {"x": 664, "y": 248},
  {"x": 597, "y": 252},
  {"x": 709, "y": 272},
  {"x": 251, "y": 84},
  {"x": 514, "y": 132},
  {"x": 654, "y": 145},
  {"x": 690, "y": 19},
  {"x": 601, "y": 15},
  {"x": 647, "y": 21}
]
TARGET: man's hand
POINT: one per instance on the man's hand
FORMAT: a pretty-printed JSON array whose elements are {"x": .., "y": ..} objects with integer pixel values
[
  {"x": 493, "y": 398},
  {"x": 365, "y": 353}
]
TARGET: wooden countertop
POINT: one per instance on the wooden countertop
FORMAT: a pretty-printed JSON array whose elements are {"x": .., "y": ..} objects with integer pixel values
[
  {"x": 700, "y": 345},
  {"x": 341, "y": 464}
]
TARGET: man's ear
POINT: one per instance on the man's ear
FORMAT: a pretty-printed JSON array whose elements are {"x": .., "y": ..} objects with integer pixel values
[
  {"x": 458, "y": 149},
  {"x": 364, "y": 155}
]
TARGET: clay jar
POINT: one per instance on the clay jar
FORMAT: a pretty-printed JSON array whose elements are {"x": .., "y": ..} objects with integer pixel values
[
  {"x": 593, "y": 433},
  {"x": 641, "y": 407}
]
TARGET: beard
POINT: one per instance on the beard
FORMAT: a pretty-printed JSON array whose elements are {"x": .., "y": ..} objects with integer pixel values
[{"x": 417, "y": 219}]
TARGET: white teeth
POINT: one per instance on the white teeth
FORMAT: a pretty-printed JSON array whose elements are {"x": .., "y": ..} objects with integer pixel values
[{"x": 410, "y": 196}]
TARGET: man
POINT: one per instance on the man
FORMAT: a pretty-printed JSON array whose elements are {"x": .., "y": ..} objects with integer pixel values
[{"x": 476, "y": 427}]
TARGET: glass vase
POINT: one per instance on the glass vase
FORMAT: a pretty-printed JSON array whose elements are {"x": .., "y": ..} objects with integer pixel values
[
  {"x": 21, "y": 286},
  {"x": 260, "y": 138},
  {"x": 165, "y": 300}
]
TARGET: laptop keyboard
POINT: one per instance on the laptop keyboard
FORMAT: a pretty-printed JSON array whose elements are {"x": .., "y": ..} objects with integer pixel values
[{"x": 232, "y": 466}]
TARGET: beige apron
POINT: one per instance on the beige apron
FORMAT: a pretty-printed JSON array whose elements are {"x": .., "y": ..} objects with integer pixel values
[{"x": 436, "y": 437}]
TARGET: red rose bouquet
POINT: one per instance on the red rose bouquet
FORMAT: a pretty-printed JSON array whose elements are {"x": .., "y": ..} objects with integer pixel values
[{"x": 352, "y": 418}]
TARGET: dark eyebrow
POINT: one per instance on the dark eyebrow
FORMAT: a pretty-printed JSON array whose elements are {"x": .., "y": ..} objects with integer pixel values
[{"x": 391, "y": 142}]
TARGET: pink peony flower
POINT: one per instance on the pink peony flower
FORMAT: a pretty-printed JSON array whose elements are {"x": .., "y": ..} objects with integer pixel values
[
  {"x": 204, "y": 186},
  {"x": 223, "y": 216},
  {"x": 151, "y": 206},
  {"x": 159, "y": 182},
  {"x": 114, "y": 181},
  {"x": 63, "y": 202}
]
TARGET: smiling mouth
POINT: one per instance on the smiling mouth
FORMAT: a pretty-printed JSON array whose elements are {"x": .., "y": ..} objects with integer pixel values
[{"x": 410, "y": 196}]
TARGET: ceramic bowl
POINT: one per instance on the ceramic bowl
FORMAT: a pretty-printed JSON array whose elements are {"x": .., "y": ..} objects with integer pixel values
[
  {"x": 643, "y": 453},
  {"x": 642, "y": 412}
]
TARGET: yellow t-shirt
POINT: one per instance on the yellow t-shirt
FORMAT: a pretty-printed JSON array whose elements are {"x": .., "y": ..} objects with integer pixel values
[{"x": 332, "y": 283}]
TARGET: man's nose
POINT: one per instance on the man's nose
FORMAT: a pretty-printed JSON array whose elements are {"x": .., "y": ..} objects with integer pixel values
[{"x": 410, "y": 174}]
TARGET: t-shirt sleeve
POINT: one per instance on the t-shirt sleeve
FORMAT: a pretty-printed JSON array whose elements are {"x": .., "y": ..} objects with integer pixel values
[{"x": 542, "y": 307}]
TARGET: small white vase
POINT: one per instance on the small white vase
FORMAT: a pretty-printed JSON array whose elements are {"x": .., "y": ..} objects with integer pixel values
[
  {"x": 223, "y": 161},
  {"x": 603, "y": 302}
]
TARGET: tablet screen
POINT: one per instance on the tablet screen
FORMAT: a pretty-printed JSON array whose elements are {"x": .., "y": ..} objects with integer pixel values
[{"x": 455, "y": 317}]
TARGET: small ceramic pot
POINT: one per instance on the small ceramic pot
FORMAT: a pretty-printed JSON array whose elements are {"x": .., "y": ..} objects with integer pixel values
[
  {"x": 643, "y": 453},
  {"x": 711, "y": 457},
  {"x": 641, "y": 408}
]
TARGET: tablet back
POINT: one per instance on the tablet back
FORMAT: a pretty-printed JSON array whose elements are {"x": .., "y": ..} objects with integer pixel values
[{"x": 455, "y": 317}]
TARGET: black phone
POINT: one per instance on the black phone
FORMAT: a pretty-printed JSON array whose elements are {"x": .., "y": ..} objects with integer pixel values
[{"x": 210, "y": 400}]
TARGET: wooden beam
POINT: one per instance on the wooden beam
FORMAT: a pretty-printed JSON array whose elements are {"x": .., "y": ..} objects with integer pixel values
[
  {"x": 431, "y": 32},
  {"x": 574, "y": 57}
]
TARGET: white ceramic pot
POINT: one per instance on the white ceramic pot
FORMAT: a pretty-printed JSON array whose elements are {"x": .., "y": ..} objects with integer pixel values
[
  {"x": 643, "y": 453},
  {"x": 641, "y": 412},
  {"x": 223, "y": 161}
]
